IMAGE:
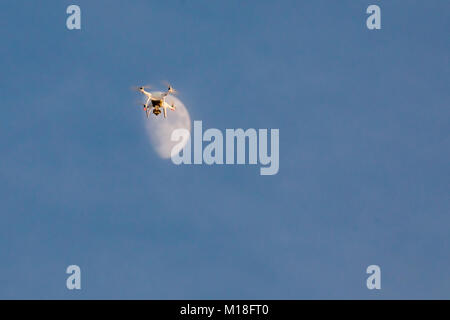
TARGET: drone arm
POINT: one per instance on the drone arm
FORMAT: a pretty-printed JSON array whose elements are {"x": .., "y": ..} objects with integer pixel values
[{"x": 171, "y": 107}]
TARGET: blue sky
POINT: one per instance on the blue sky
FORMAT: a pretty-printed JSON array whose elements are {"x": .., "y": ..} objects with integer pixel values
[{"x": 364, "y": 150}]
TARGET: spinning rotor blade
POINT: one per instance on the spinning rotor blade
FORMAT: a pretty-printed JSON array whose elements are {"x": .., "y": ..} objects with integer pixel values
[
  {"x": 136, "y": 88},
  {"x": 170, "y": 88},
  {"x": 139, "y": 102}
]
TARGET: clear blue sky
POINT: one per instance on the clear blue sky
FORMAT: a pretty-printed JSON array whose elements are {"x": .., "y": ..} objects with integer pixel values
[{"x": 364, "y": 150}]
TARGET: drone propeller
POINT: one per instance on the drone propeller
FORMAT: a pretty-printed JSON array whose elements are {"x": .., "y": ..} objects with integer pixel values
[
  {"x": 170, "y": 88},
  {"x": 137, "y": 88},
  {"x": 140, "y": 103}
]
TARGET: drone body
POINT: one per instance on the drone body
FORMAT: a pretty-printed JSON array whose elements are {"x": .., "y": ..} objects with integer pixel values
[{"x": 156, "y": 101}]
